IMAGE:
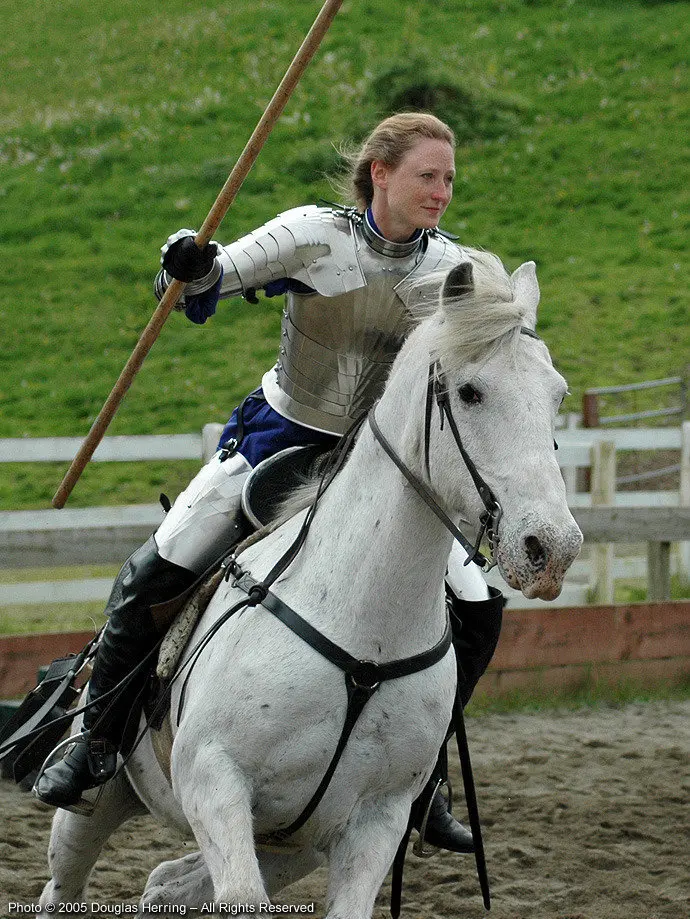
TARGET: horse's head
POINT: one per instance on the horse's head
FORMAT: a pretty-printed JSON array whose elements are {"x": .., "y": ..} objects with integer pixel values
[{"x": 503, "y": 395}]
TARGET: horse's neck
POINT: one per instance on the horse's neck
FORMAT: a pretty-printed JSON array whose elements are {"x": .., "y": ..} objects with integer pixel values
[{"x": 375, "y": 557}]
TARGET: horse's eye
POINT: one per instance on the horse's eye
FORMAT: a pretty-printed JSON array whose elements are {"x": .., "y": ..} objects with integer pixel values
[{"x": 470, "y": 395}]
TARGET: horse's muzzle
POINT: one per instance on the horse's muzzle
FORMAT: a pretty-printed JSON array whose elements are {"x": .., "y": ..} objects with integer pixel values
[{"x": 535, "y": 558}]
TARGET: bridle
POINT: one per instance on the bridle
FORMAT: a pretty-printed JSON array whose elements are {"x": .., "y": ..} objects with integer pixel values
[{"x": 437, "y": 391}]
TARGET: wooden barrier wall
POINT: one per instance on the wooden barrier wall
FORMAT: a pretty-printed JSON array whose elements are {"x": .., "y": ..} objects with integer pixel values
[
  {"x": 22, "y": 655},
  {"x": 550, "y": 649},
  {"x": 539, "y": 649}
]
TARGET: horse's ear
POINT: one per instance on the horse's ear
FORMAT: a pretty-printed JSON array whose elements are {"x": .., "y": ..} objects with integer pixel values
[
  {"x": 526, "y": 290},
  {"x": 459, "y": 282}
]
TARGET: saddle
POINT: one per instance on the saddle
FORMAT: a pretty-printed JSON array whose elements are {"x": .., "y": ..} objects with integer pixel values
[{"x": 270, "y": 484}]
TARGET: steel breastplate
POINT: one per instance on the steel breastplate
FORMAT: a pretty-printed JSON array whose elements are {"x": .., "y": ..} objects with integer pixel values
[{"x": 336, "y": 352}]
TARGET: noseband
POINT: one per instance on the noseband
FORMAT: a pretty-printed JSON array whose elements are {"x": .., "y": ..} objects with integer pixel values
[{"x": 437, "y": 390}]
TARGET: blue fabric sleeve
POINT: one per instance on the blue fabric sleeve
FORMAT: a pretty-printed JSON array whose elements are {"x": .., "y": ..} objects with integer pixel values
[
  {"x": 283, "y": 285},
  {"x": 199, "y": 307}
]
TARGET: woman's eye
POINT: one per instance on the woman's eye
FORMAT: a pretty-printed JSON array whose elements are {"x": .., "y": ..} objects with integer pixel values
[{"x": 470, "y": 395}]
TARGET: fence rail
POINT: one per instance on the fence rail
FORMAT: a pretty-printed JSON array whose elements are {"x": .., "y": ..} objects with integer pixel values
[
  {"x": 592, "y": 417},
  {"x": 107, "y": 535},
  {"x": 121, "y": 449}
]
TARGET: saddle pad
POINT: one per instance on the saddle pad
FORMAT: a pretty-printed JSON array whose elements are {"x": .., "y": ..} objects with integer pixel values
[{"x": 178, "y": 634}]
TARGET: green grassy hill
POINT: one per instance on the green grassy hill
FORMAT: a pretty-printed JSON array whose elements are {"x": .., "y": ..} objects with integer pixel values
[{"x": 120, "y": 122}]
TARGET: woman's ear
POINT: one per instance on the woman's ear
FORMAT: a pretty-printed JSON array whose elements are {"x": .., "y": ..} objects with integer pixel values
[{"x": 379, "y": 173}]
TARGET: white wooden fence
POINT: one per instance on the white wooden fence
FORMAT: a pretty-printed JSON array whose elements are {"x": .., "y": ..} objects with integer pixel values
[
  {"x": 113, "y": 449},
  {"x": 54, "y": 538}
]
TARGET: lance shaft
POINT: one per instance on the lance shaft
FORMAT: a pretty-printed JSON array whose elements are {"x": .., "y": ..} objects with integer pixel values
[{"x": 220, "y": 207}]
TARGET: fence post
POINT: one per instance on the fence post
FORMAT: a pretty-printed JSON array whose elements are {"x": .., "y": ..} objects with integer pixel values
[
  {"x": 210, "y": 435},
  {"x": 603, "y": 455},
  {"x": 572, "y": 421},
  {"x": 590, "y": 419},
  {"x": 685, "y": 495},
  {"x": 659, "y": 571},
  {"x": 590, "y": 410}
]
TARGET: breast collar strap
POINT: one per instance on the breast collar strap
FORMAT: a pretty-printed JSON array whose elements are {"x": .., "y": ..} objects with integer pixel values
[{"x": 362, "y": 678}]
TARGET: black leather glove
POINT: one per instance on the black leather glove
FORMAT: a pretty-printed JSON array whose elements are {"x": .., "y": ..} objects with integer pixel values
[{"x": 183, "y": 260}]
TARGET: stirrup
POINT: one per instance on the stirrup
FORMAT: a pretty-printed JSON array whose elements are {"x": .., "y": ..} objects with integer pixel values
[
  {"x": 86, "y": 805},
  {"x": 420, "y": 847}
]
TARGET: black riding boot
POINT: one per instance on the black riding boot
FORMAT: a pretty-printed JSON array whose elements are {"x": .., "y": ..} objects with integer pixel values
[
  {"x": 130, "y": 633},
  {"x": 476, "y": 626}
]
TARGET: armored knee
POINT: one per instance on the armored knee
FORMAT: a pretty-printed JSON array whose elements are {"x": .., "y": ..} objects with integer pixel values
[{"x": 476, "y": 630}]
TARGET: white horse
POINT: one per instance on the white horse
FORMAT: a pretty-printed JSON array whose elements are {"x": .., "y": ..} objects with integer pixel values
[{"x": 262, "y": 711}]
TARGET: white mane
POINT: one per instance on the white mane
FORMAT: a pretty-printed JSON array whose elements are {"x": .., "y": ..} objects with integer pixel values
[
  {"x": 472, "y": 326},
  {"x": 459, "y": 330}
]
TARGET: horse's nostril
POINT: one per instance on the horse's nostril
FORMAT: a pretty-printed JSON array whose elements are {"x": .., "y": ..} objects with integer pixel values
[{"x": 535, "y": 553}]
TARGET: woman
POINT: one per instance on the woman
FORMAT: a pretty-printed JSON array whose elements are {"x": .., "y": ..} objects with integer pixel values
[{"x": 352, "y": 277}]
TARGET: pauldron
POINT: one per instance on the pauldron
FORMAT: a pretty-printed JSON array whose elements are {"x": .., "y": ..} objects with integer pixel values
[{"x": 311, "y": 244}]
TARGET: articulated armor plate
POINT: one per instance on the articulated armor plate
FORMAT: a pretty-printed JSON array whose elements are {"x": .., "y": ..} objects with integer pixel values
[
  {"x": 338, "y": 342},
  {"x": 310, "y": 244}
]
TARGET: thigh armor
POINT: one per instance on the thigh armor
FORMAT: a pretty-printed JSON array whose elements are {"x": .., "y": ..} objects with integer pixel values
[{"x": 205, "y": 517}]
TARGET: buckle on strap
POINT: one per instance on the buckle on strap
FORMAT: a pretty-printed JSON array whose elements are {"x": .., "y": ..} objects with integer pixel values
[
  {"x": 365, "y": 675},
  {"x": 102, "y": 757}
]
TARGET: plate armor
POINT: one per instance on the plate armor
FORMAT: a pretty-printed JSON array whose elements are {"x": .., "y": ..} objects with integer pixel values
[{"x": 339, "y": 339}]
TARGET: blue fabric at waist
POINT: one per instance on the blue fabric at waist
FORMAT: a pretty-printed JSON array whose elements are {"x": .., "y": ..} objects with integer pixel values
[{"x": 266, "y": 432}]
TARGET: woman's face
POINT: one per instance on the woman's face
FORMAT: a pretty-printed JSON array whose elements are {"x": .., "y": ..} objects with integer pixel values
[{"x": 415, "y": 194}]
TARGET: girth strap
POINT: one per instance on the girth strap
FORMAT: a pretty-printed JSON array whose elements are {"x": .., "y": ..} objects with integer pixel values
[{"x": 362, "y": 679}]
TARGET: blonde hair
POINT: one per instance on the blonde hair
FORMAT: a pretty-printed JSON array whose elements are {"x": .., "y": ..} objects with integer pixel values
[{"x": 389, "y": 142}]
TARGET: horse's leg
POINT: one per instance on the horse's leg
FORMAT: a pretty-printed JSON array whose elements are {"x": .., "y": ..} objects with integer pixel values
[
  {"x": 361, "y": 856},
  {"x": 280, "y": 870},
  {"x": 76, "y": 841},
  {"x": 216, "y": 799},
  {"x": 184, "y": 882}
]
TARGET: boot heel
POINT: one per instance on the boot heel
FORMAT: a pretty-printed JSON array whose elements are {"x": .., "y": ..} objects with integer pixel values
[{"x": 85, "y": 807}]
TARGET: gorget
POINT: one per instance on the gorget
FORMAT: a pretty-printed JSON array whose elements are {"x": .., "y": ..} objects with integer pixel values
[{"x": 339, "y": 341}]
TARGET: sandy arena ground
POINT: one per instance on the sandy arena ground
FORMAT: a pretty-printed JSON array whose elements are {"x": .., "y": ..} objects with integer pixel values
[{"x": 585, "y": 816}]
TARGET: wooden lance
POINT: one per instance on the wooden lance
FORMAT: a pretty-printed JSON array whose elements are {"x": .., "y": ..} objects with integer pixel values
[{"x": 210, "y": 225}]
